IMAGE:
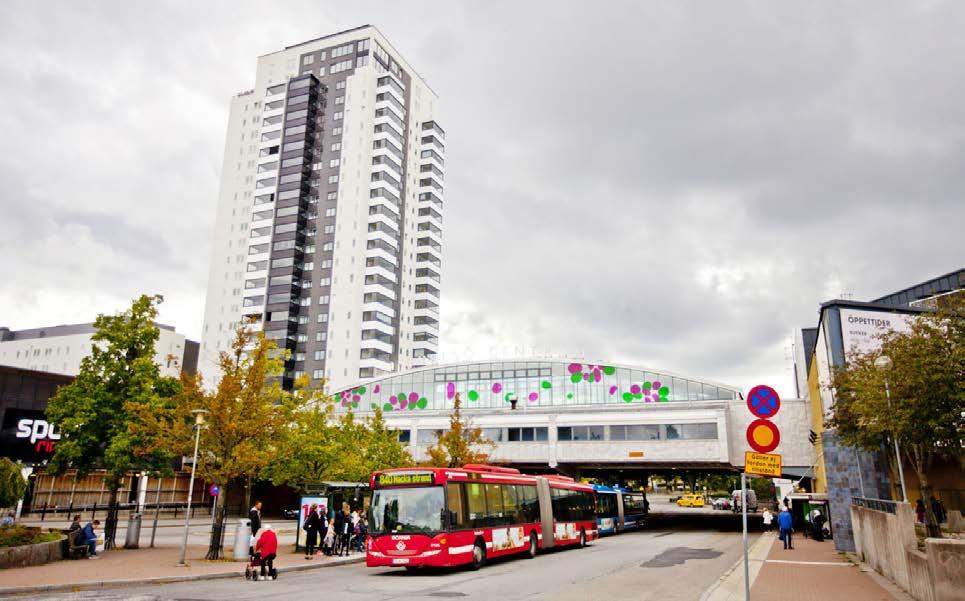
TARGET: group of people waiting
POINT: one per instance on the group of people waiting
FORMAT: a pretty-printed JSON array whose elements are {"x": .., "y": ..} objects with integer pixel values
[
  {"x": 785, "y": 524},
  {"x": 333, "y": 535}
]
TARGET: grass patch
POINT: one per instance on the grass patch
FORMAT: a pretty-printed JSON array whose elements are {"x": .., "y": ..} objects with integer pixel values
[{"x": 18, "y": 535}]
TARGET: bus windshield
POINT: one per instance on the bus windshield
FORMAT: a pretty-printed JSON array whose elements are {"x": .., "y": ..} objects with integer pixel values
[{"x": 407, "y": 510}]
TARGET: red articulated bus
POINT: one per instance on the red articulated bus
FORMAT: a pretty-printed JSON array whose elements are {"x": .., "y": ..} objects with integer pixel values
[{"x": 455, "y": 516}]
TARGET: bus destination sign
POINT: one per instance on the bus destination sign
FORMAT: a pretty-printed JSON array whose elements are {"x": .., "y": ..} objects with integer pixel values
[{"x": 403, "y": 478}]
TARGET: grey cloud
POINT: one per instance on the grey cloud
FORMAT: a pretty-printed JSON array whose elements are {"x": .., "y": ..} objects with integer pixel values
[{"x": 671, "y": 184}]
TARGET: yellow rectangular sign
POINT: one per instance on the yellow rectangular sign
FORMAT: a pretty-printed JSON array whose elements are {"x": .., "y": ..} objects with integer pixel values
[
  {"x": 636, "y": 454},
  {"x": 762, "y": 464}
]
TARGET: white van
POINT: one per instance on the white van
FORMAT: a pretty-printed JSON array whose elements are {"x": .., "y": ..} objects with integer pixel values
[{"x": 751, "y": 500}]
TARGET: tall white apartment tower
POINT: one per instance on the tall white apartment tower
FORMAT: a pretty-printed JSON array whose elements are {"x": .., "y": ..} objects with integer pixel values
[{"x": 329, "y": 225}]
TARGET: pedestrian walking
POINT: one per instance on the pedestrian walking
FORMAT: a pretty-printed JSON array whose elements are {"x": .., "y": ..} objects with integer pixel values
[
  {"x": 768, "y": 519},
  {"x": 920, "y": 511},
  {"x": 267, "y": 546},
  {"x": 938, "y": 509},
  {"x": 786, "y": 523},
  {"x": 90, "y": 537},
  {"x": 817, "y": 526},
  {"x": 312, "y": 527},
  {"x": 254, "y": 516}
]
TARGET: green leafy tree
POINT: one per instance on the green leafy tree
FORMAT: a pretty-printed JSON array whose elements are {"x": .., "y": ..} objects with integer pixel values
[
  {"x": 12, "y": 483},
  {"x": 247, "y": 416},
  {"x": 924, "y": 412},
  {"x": 318, "y": 446},
  {"x": 462, "y": 443},
  {"x": 118, "y": 381}
]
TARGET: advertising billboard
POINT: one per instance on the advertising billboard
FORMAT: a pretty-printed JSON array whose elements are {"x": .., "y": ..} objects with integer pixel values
[
  {"x": 860, "y": 329},
  {"x": 28, "y": 436}
]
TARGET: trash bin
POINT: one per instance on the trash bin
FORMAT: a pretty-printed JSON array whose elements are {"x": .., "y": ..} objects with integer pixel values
[
  {"x": 133, "y": 531},
  {"x": 242, "y": 539}
]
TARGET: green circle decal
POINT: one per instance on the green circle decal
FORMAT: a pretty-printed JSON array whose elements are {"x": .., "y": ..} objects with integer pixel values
[
  {"x": 576, "y": 378},
  {"x": 647, "y": 385},
  {"x": 374, "y": 406},
  {"x": 387, "y": 407},
  {"x": 609, "y": 370},
  {"x": 627, "y": 397},
  {"x": 423, "y": 403},
  {"x": 664, "y": 391},
  {"x": 546, "y": 384},
  {"x": 361, "y": 389},
  {"x": 473, "y": 395},
  {"x": 569, "y": 396}
]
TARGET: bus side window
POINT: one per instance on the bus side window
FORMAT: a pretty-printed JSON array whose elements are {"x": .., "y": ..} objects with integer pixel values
[
  {"x": 494, "y": 500},
  {"x": 511, "y": 504},
  {"x": 476, "y": 503},
  {"x": 529, "y": 503},
  {"x": 456, "y": 506}
]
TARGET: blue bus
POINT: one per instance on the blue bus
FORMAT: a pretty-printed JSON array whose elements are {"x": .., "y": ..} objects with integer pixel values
[{"x": 619, "y": 509}]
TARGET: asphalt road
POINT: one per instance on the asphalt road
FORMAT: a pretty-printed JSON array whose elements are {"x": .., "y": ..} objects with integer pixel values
[{"x": 675, "y": 560}]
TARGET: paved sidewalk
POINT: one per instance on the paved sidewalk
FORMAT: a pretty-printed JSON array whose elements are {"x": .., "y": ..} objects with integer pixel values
[
  {"x": 814, "y": 571},
  {"x": 123, "y": 567},
  {"x": 730, "y": 587}
]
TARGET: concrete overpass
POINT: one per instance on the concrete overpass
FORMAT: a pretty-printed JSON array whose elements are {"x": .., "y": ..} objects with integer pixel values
[{"x": 575, "y": 416}]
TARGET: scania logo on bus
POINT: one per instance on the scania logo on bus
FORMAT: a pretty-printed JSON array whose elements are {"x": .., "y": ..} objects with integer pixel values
[{"x": 400, "y": 546}]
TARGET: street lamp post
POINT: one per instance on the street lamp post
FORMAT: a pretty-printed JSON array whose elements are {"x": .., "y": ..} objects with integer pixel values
[
  {"x": 198, "y": 422},
  {"x": 884, "y": 363}
]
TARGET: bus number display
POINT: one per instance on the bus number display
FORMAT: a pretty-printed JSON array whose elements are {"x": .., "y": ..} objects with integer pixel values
[{"x": 395, "y": 479}]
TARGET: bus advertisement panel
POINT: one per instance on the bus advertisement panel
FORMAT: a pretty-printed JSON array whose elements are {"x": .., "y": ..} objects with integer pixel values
[{"x": 455, "y": 516}]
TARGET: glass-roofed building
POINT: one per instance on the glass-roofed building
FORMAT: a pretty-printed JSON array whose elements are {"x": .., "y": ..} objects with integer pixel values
[
  {"x": 574, "y": 416},
  {"x": 532, "y": 383}
]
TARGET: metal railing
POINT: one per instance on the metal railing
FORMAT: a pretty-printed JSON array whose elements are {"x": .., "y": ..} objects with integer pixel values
[{"x": 876, "y": 504}]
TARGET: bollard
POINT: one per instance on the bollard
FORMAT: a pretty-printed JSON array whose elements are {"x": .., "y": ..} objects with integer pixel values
[
  {"x": 93, "y": 512},
  {"x": 132, "y": 539},
  {"x": 242, "y": 539}
]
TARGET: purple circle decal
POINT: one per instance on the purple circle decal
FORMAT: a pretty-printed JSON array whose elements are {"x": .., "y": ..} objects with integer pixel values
[
  {"x": 656, "y": 384},
  {"x": 635, "y": 389},
  {"x": 533, "y": 396},
  {"x": 403, "y": 403},
  {"x": 586, "y": 377},
  {"x": 413, "y": 397},
  {"x": 393, "y": 399},
  {"x": 575, "y": 367},
  {"x": 597, "y": 375},
  {"x": 378, "y": 387},
  {"x": 450, "y": 390},
  {"x": 356, "y": 398},
  {"x": 613, "y": 390},
  {"x": 497, "y": 388}
]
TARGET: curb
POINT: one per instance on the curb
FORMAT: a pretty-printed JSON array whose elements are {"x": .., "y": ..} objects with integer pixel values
[
  {"x": 707, "y": 594},
  {"x": 94, "y": 585}
]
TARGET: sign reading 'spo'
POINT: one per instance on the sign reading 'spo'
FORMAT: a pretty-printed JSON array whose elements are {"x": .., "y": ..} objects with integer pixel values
[{"x": 27, "y": 436}]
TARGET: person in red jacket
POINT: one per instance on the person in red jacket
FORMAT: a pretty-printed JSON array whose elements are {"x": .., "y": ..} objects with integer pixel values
[{"x": 267, "y": 545}]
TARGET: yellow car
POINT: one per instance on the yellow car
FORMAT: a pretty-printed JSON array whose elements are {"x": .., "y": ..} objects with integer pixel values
[{"x": 691, "y": 501}]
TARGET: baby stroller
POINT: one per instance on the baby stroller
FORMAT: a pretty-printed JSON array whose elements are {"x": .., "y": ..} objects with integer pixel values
[{"x": 253, "y": 569}]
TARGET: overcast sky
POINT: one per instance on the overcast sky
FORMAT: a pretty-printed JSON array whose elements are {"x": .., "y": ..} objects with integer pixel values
[{"x": 676, "y": 185}]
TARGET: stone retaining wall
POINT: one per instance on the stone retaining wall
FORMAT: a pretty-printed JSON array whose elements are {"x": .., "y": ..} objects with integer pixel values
[
  {"x": 887, "y": 542},
  {"x": 32, "y": 555}
]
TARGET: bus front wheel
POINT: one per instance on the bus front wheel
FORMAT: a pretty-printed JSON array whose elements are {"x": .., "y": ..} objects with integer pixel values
[
  {"x": 478, "y": 555},
  {"x": 532, "y": 545}
]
